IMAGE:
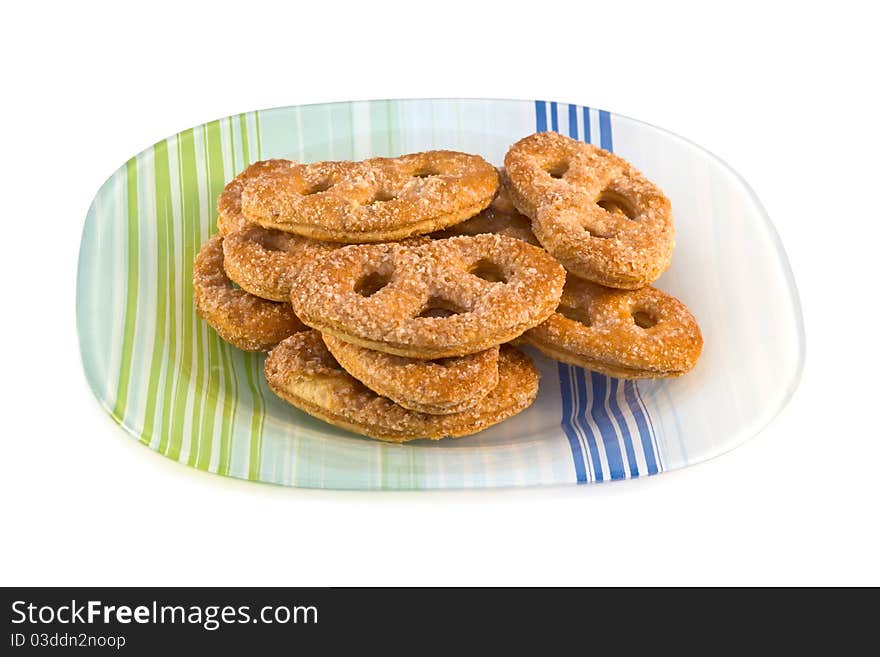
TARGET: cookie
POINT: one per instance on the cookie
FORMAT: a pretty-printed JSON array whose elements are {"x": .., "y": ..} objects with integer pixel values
[
  {"x": 500, "y": 218},
  {"x": 638, "y": 334},
  {"x": 448, "y": 297},
  {"x": 263, "y": 261},
  {"x": 302, "y": 371},
  {"x": 374, "y": 200},
  {"x": 438, "y": 387},
  {"x": 229, "y": 216},
  {"x": 592, "y": 210},
  {"x": 240, "y": 318}
]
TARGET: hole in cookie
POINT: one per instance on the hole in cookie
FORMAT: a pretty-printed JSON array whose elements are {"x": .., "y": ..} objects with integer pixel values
[
  {"x": 580, "y": 315},
  {"x": 488, "y": 271},
  {"x": 273, "y": 240},
  {"x": 371, "y": 283},
  {"x": 426, "y": 173},
  {"x": 644, "y": 320},
  {"x": 382, "y": 196},
  {"x": 317, "y": 188},
  {"x": 557, "y": 169},
  {"x": 615, "y": 203},
  {"x": 439, "y": 307}
]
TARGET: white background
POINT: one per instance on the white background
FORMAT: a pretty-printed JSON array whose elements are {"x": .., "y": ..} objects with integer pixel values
[{"x": 786, "y": 96}]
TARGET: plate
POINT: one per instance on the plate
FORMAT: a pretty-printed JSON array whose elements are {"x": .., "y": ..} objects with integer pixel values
[{"x": 169, "y": 381}]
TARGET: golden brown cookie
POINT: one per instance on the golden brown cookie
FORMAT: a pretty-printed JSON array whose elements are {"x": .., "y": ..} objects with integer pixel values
[
  {"x": 263, "y": 261},
  {"x": 438, "y": 387},
  {"x": 374, "y": 200},
  {"x": 637, "y": 334},
  {"x": 302, "y": 371},
  {"x": 248, "y": 322},
  {"x": 445, "y": 298},
  {"x": 229, "y": 217},
  {"x": 501, "y": 218},
  {"x": 592, "y": 210}
]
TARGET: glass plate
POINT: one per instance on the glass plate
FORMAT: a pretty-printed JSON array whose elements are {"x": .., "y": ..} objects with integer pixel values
[{"x": 170, "y": 382}]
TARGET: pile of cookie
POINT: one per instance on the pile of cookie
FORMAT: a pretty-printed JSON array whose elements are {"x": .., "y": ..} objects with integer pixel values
[{"x": 388, "y": 291}]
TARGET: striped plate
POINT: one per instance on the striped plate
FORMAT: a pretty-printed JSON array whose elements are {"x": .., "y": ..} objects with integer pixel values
[{"x": 168, "y": 380}]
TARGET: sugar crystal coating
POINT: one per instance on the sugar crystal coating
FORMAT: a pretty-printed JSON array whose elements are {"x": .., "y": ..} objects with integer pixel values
[
  {"x": 373, "y": 200},
  {"x": 592, "y": 210},
  {"x": 433, "y": 300},
  {"x": 248, "y": 322},
  {"x": 303, "y": 372}
]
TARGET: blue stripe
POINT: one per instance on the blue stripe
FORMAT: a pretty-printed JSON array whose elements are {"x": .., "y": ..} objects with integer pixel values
[
  {"x": 650, "y": 426},
  {"x": 540, "y": 116},
  {"x": 587, "y": 137},
  {"x": 605, "y": 130},
  {"x": 580, "y": 377},
  {"x": 583, "y": 423},
  {"x": 629, "y": 389},
  {"x": 584, "y": 413},
  {"x": 624, "y": 428},
  {"x": 565, "y": 382},
  {"x": 590, "y": 395},
  {"x": 651, "y": 432},
  {"x": 573, "y": 440},
  {"x": 606, "y": 429}
]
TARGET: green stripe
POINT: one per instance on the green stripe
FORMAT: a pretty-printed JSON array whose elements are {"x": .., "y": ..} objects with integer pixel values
[
  {"x": 191, "y": 228},
  {"x": 230, "y": 136},
  {"x": 131, "y": 290},
  {"x": 187, "y": 317},
  {"x": 242, "y": 127},
  {"x": 230, "y": 406},
  {"x": 199, "y": 402},
  {"x": 165, "y": 214},
  {"x": 161, "y": 281},
  {"x": 211, "y": 398},
  {"x": 214, "y": 168},
  {"x": 228, "y": 356},
  {"x": 252, "y": 368},
  {"x": 259, "y": 136},
  {"x": 206, "y": 392},
  {"x": 252, "y": 361}
]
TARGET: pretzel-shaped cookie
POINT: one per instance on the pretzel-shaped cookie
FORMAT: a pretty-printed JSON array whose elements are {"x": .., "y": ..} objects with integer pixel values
[
  {"x": 263, "y": 261},
  {"x": 445, "y": 298},
  {"x": 374, "y": 200},
  {"x": 229, "y": 216},
  {"x": 301, "y": 371},
  {"x": 437, "y": 387},
  {"x": 598, "y": 215},
  {"x": 638, "y": 334},
  {"x": 248, "y": 322},
  {"x": 500, "y": 218}
]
